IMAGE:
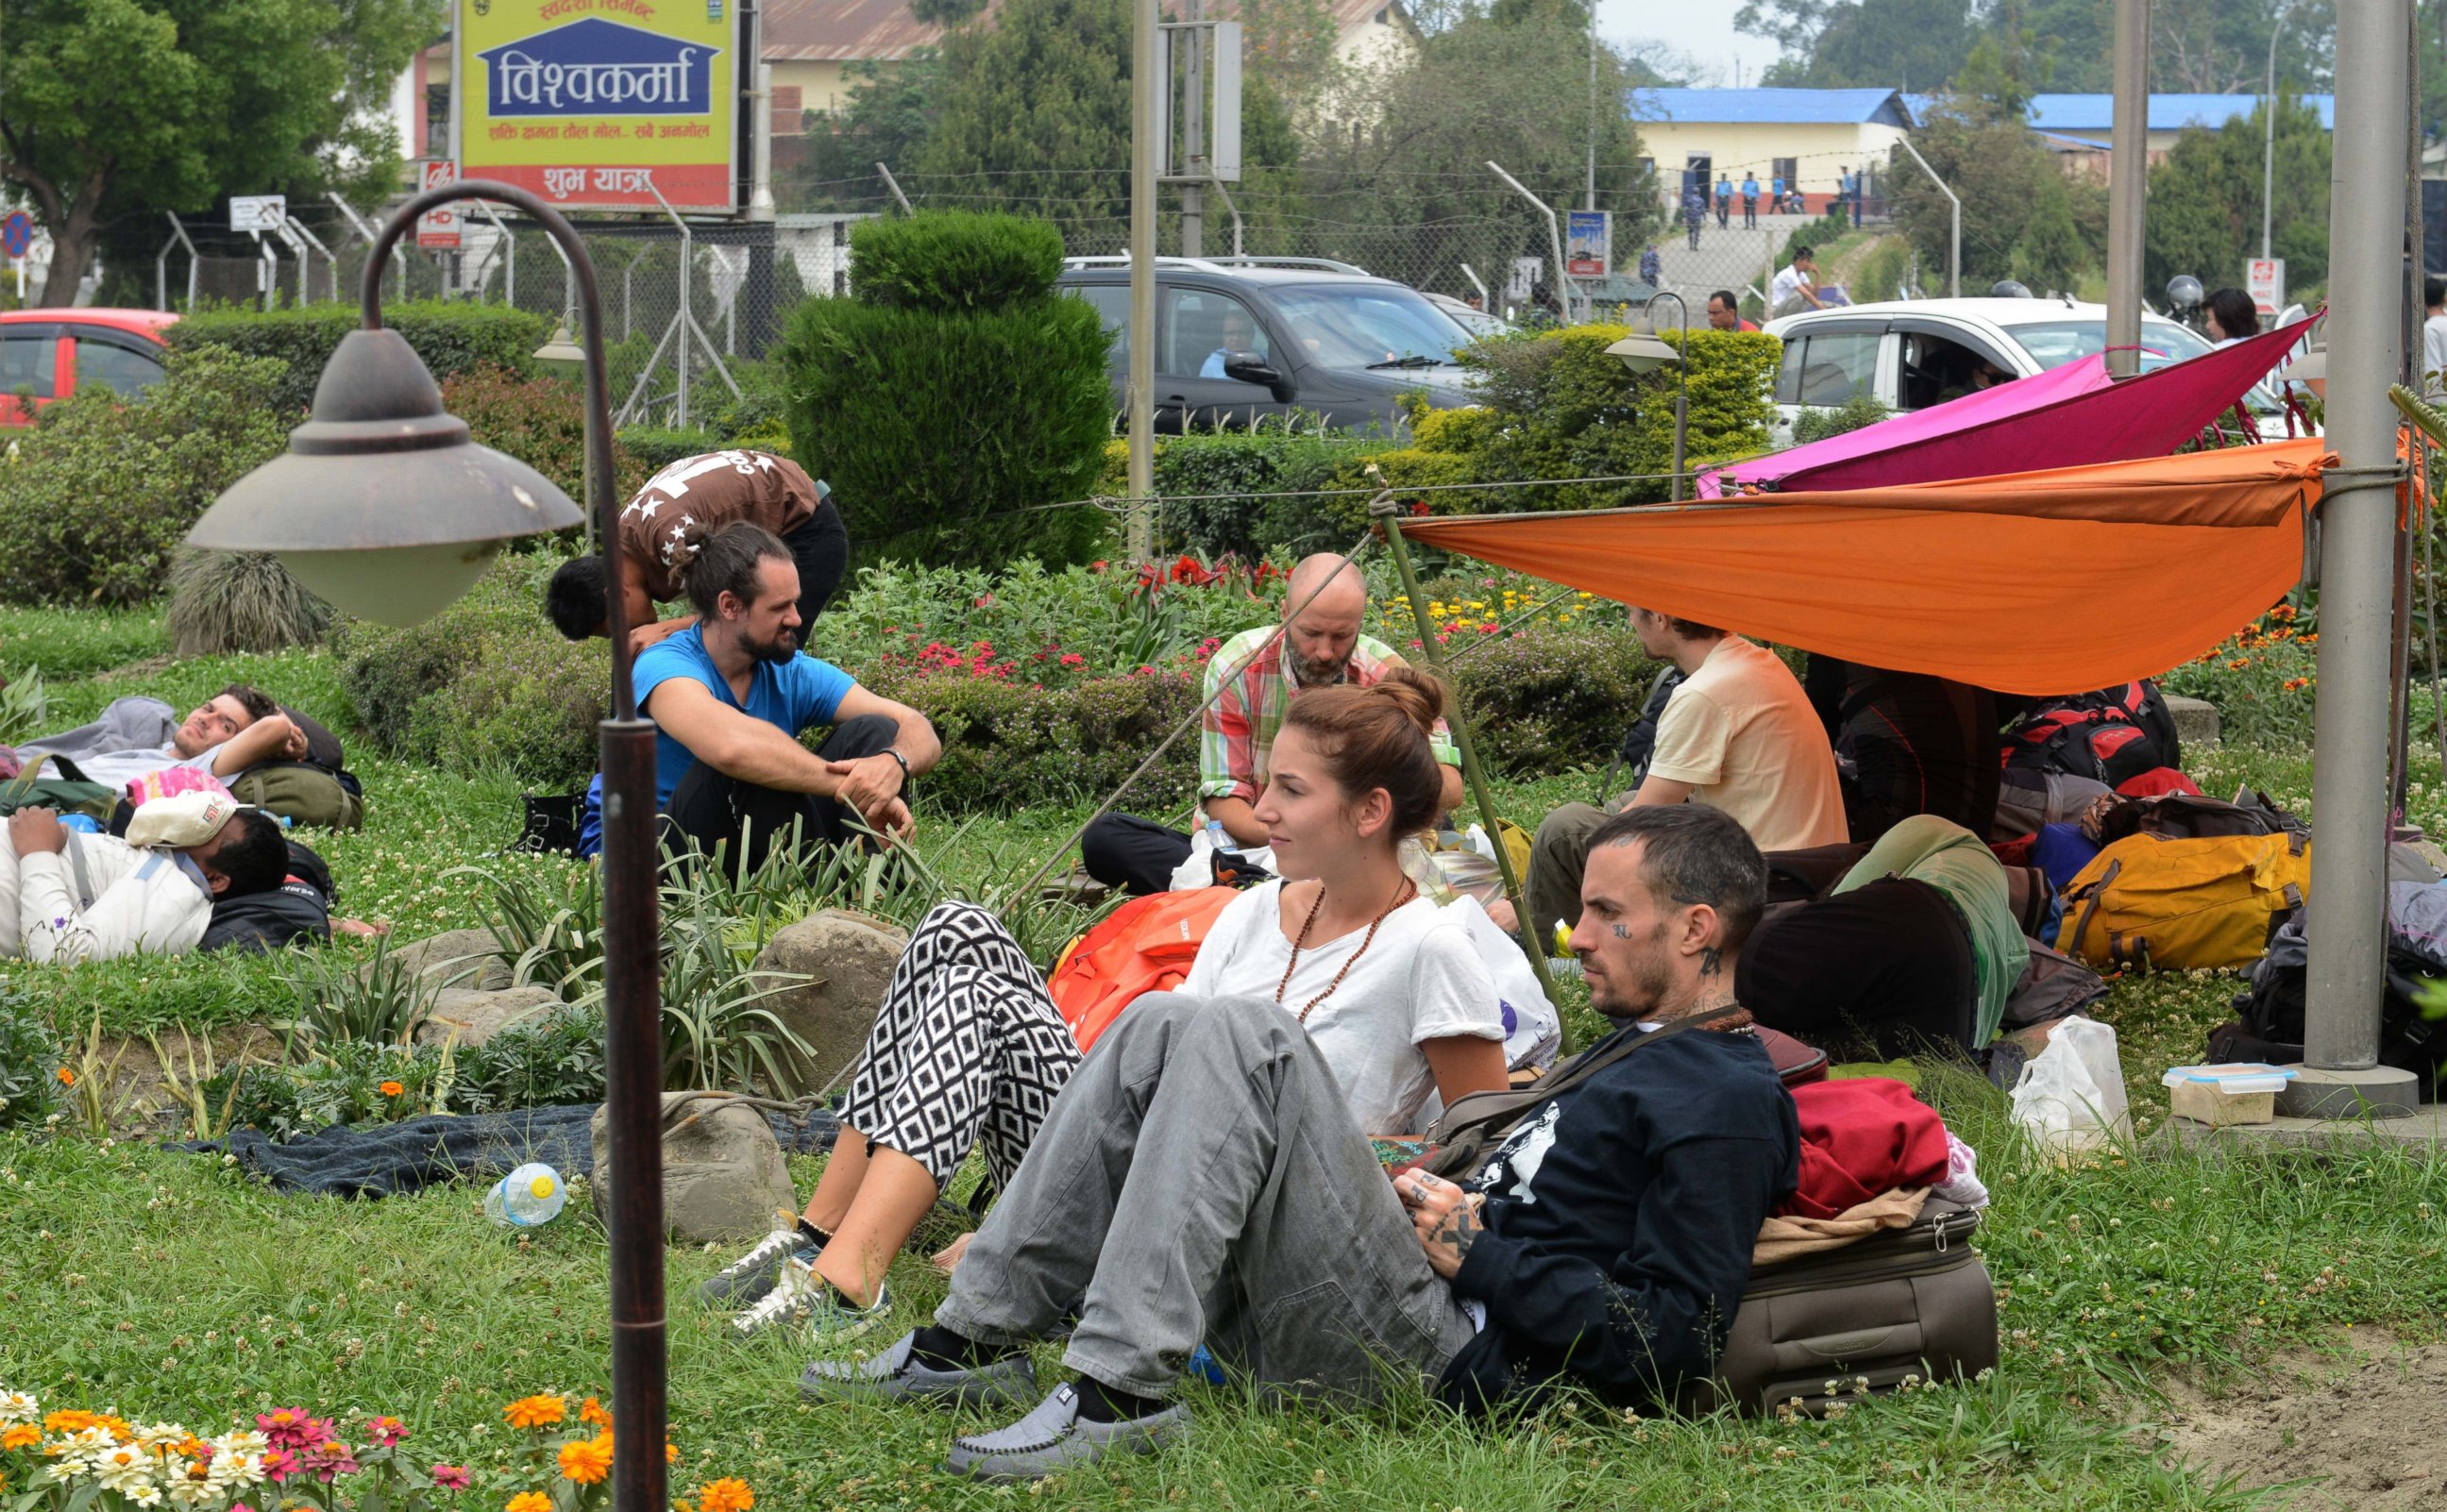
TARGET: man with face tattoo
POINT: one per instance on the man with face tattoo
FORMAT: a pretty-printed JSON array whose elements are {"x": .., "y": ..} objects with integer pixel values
[
  {"x": 731, "y": 694},
  {"x": 1251, "y": 680}
]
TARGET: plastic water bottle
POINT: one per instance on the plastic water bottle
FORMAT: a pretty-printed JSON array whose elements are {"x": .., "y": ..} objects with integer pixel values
[
  {"x": 82, "y": 824},
  {"x": 529, "y": 1196},
  {"x": 1217, "y": 838}
]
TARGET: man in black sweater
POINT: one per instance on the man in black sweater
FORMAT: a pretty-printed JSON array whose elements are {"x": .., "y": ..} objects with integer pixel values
[{"x": 1200, "y": 1179}]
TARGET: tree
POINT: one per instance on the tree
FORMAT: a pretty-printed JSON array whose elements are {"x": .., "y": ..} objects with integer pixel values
[
  {"x": 2021, "y": 214},
  {"x": 2205, "y": 202},
  {"x": 115, "y": 107},
  {"x": 1034, "y": 109},
  {"x": 886, "y": 119}
]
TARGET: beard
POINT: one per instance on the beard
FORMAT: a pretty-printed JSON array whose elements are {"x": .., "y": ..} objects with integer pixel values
[
  {"x": 784, "y": 646},
  {"x": 1317, "y": 673},
  {"x": 1634, "y": 988}
]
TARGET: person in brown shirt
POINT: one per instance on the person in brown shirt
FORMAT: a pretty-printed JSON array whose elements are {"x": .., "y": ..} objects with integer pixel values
[{"x": 663, "y": 528}]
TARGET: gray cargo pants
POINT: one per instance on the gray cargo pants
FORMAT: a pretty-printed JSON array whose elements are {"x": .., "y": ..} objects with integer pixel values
[{"x": 1200, "y": 1178}]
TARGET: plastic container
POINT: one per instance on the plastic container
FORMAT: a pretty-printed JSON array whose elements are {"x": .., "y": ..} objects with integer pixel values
[
  {"x": 82, "y": 824},
  {"x": 2227, "y": 1093},
  {"x": 529, "y": 1196}
]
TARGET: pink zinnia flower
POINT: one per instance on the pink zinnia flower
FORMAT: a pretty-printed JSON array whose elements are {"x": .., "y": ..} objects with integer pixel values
[
  {"x": 331, "y": 1459},
  {"x": 386, "y": 1430},
  {"x": 279, "y": 1464},
  {"x": 450, "y": 1477}
]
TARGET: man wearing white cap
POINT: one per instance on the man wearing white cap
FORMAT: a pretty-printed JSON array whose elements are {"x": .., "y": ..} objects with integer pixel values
[{"x": 69, "y": 897}]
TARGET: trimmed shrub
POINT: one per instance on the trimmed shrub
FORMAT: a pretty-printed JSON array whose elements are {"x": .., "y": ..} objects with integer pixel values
[
  {"x": 938, "y": 426},
  {"x": 388, "y": 670},
  {"x": 1005, "y": 743},
  {"x": 527, "y": 707},
  {"x": 1858, "y": 412},
  {"x": 539, "y": 421},
  {"x": 656, "y": 448},
  {"x": 1334, "y": 521},
  {"x": 953, "y": 261},
  {"x": 107, "y": 490},
  {"x": 1243, "y": 524},
  {"x": 222, "y": 601},
  {"x": 451, "y": 336},
  {"x": 1563, "y": 409},
  {"x": 1549, "y": 701}
]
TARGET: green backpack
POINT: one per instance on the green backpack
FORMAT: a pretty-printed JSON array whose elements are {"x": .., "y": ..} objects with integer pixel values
[{"x": 304, "y": 792}]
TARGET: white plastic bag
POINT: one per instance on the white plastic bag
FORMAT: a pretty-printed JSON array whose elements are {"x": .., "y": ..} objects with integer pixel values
[
  {"x": 2070, "y": 1095},
  {"x": 1533, "y": 1033},
  {"x": 1199, "y": 870}
]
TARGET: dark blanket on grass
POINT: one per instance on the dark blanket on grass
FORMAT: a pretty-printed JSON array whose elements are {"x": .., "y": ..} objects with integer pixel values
[{"x": 381, "y": 1159}]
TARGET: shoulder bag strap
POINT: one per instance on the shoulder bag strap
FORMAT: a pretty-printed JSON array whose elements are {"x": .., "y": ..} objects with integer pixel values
[{"x": 1582, "y": 1069}]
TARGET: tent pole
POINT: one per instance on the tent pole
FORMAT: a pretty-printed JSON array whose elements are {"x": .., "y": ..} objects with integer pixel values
[
  {"x": 1383, "y": 508},
  {"x": 2341, "y": 1076}
]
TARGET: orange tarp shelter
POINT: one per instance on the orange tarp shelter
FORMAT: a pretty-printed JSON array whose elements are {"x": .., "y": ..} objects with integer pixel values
[{"x": 2034, "y": 582}]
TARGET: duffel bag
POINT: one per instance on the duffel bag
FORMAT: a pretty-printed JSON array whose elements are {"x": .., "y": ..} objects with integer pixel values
[
  {"x": 303, "y": 792},
  {"x": 1909, "y": 1303},
  {"x": 2163, "y": 904}
]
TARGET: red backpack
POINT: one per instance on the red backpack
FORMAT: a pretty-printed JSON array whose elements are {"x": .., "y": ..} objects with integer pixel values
[
  {"x": 2110, "y": 736},
  {"x": 1143, "y": 945}
]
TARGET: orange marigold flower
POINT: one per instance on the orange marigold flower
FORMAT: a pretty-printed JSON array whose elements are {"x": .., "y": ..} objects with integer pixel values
[
  {"x": 671, "y": 1452},
  {"x": 529, "y": 1502},
  {"x": 67, "y": 1078},
  {"x": 729, "y": 1494},
  {"x": 540, "y": 1410},
  {"x": 586, "y": 1460},
  {"x": 2238, "y": 664},
  {"x": 22, "y": 1436},
  {"x": 392, "y": 1088},
  {"x": 591, "y": 1412}
]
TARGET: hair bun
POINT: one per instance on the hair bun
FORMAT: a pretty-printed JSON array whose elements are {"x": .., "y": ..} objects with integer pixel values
[{"x": 1420, "y": 695}]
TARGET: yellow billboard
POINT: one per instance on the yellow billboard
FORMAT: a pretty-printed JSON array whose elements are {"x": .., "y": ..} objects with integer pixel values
[{"x": 596, "y": 105}]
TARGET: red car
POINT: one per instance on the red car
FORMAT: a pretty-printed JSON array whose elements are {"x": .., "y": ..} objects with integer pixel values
[{"x": 51, "y": 352}]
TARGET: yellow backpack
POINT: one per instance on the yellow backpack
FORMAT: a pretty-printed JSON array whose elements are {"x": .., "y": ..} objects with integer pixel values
[{"x": 2168, "y": 904}]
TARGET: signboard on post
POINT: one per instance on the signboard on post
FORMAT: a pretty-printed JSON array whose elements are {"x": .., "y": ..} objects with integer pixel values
[
  {"x": 2264, "y": 278},
  {"x": 597, "y": 111},
  {"x": 1588, "y": 244},
  {"x": 17, "y": 233},
  {"x": 258, "y": 212},
  {"x": 437, "y": 229}
]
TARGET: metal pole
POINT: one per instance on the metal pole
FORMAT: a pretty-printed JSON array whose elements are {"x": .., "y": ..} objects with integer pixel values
[
  {"x": 2365, "y": 338},
  {"x": 1193, "y": 133},
  {"x": 1139, "y": 540},
  {"x": 1589, "y": 194},
  {"x": 1225, "y": 194},
  {"x": 2128, "y": 188},
  {"x": 2269, "y": 146},
  {"x": 1554, "y": 238},
  {"x": 1954, "y": 240},
  {"x": 1681, "y": 383},
  {"x": 1387, "y": 514},
  {"x": 632, "y": 979},
  {"x": 894, "y": 184}
]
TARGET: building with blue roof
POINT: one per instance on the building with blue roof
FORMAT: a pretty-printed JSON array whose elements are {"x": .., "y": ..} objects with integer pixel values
[{"x": 1810, "y": 138}]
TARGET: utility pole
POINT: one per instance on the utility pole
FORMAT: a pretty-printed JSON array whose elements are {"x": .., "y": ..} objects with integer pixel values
[
  {"x": 2128, "y": 190},
  {"x": 1193, "y": 132},
  {"x": 1146, "y": 68},
  {"x": 2268, "y": 141},
  {"x": 2366, "y": 338},
  {"x": 1589, "y": 196}
]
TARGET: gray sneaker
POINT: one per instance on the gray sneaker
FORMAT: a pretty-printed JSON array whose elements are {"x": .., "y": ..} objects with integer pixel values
[
  {"x": 745, "y": 1280},
  {"x": 895, "y": 1375},
  {"x": 1053, "y": 1439}
]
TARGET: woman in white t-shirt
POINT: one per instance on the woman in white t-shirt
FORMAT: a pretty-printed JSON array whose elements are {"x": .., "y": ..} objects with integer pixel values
[{"x": 969, "y": 1050}]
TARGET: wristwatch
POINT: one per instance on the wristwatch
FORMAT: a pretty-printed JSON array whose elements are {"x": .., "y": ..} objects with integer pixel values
[{"x": 902, "y": 762}]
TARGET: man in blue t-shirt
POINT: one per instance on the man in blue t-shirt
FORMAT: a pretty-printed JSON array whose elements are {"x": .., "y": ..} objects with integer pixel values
[
  {"x": 731, "y": 695},
  {"x": 1750, "y": 200}
]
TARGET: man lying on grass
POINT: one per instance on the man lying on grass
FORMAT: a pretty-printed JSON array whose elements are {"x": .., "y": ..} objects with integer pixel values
[
  {"x": 67, "y": 896},
  {"x": 1200, "y": 1179},
  {"x": 236, "y": 728}
]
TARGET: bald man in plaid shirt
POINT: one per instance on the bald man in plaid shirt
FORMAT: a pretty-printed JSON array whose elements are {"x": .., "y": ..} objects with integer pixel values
[{"x": 1320, "y": 647}]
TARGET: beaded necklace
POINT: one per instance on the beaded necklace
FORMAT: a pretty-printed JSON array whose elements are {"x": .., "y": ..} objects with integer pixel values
[{"x": 1402, "y": 896}]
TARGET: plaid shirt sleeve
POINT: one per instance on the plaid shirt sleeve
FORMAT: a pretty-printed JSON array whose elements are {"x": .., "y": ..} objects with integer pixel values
[{"x": 1227, "y": 760}]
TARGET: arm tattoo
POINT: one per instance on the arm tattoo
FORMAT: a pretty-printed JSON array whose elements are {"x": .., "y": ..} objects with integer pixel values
[{"x": 1712, "y": 961}]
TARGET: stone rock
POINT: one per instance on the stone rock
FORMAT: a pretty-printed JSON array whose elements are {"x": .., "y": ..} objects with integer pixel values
[
  {"x": 480, "y": 1015},
  {"x": 723, "y": 1175},
  {"x": 847, "y": 958},
  {"x": 465, "y": 958},
  {"x": 2196, "y": 721}
]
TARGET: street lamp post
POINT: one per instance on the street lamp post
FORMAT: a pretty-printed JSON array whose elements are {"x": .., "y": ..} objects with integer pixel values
[
  {"x": 1645, "y": 351},
  {"x": 2268, "y": 119},
  {"x": 384, "y": 507}
]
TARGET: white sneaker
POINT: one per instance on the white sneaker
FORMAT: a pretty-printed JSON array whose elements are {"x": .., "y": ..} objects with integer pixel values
[
  {"x": 750, "y": 1278},
  {"x": 800, "y": 1297}
]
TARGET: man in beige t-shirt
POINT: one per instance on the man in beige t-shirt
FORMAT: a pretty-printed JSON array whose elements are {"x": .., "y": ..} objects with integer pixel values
[{"x": 1738, "y": 734}]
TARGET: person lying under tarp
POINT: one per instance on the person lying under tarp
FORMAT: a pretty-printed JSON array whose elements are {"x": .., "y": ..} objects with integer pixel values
[{"x": 69, "y": 897}]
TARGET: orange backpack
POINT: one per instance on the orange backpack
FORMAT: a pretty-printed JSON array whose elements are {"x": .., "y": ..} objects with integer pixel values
[{"x": 1143, "y": 945}]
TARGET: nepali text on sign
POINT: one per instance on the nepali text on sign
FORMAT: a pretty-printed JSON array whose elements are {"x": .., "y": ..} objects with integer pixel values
[{"x": 597, "y": 68}]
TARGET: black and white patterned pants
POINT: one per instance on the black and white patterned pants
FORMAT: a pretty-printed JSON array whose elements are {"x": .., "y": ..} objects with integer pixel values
[{"x": 968, "y": 1051}]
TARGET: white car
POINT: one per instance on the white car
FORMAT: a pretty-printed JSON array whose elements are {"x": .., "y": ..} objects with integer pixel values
[{"x": 1916, "y": 353}]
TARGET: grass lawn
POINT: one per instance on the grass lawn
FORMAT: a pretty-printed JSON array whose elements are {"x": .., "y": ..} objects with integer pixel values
[{"x": 160, "y": 1285}]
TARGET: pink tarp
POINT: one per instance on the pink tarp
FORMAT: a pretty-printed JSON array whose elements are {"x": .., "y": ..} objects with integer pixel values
[{"x": 2067, "y": 417}]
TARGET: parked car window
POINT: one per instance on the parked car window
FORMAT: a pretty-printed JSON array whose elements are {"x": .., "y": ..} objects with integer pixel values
[
  {"x": 1828, "y": 367},
  {"x": 107, "y": 365},
  {"x": 1198, "y": 327},
  {"x": 1367, "y": 325},
  {"x": 1112, "y": 302},
  {"x": 1937, "y": 369},
  {"x": 2054, "y": 343},
  {"x": 26, "y": 363}
]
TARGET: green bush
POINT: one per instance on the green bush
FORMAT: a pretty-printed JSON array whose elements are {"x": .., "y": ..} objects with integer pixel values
[
  {"x": 106, "y": 490},
  {"x": 1815, "y": 233},
  {"x": 387, "y": 672},
  {"x": 1005, "y": 744},
  {"x": 527, "y": 707},
  {"x": 1246, "y": 469},
  {"x": 1562, "y": 408},
  {"x": 224, "y": 601},
  {"x": 656, "y": 448},
  {"x": 1334, "y": 521},
  {"x": 1858, "y": 412},
  {"x": 540, "y": 422},
  {"x": 939, "y": 429},
  {"x": 1549, "y": 701},
  {"x": 29, "y": 1063},
  {"x": 953, "y": 261},
  {"x": 2261, "y": 680},
  {"x": 452, "y": 337}
]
